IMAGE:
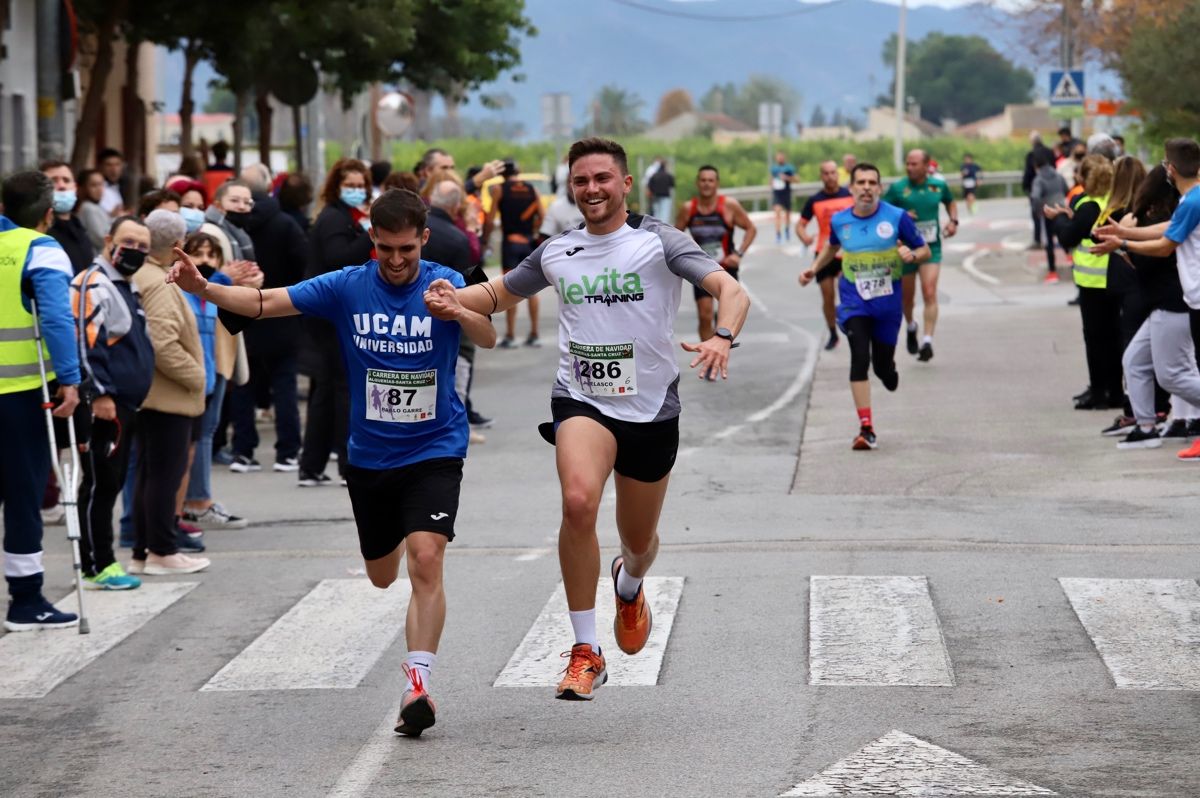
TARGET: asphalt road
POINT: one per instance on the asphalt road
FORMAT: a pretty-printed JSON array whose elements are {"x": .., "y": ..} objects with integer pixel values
[{"x": 995, "y": 602}]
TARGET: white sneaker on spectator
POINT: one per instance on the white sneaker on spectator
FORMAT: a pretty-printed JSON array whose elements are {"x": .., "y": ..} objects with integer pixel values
[
  {"x": 137, "y": 567},
  {"x": 174, "y": 564},
  {"x": 288, "y": 464},
  {"x": 215, "y": 517},
  {"x": 54, "y": 516}
]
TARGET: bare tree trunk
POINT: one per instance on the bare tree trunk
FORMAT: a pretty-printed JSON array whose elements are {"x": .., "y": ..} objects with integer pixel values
[
  {"x": 187, "y": 106},
  {"x": 134, "y": 124},
  {"x": 239, "y": 128},
  {"x": 262, "y": 104},
  {"x": 422, "y": 128},
  {"x": 93, "y": 102},
  {"x": 453, "y": 99},
  {"x": 299, "y": 139}
]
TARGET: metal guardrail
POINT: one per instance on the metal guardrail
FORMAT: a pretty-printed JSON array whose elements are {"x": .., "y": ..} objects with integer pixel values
[{"x": 758, "y": 198}]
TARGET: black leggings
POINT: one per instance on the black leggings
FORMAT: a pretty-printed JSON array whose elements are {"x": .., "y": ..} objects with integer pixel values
[{"x": 865, "y": 351}]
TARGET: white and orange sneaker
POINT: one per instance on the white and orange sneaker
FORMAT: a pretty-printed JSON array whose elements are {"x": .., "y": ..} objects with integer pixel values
[
  {"x": 632, "y": 623},
  {"x": 417, "y": 710},
  {"x": 1192, "y": 453},
  {"x": 585, "y": 672}
]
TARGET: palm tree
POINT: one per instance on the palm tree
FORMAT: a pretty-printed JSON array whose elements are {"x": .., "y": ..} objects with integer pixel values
[{"x": 617, "y": 112}]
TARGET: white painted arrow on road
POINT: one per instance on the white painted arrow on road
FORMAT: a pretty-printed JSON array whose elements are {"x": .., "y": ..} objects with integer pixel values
[{"x": 900, "y": 764}]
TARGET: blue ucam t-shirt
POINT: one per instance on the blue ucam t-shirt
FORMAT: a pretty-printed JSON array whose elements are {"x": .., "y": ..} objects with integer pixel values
[{"x": 399, "y": 363}]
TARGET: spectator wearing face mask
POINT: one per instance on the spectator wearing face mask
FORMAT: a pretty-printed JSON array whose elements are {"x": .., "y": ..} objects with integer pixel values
[
  {"x": 119, "y": 363},
  {"x": 229, "y": 213},
  {"x": 67, "y": 229}
]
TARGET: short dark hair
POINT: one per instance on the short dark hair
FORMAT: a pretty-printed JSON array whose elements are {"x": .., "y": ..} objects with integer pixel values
[
  {"x": 399, "y": 209},
  {"x": 709, "y": 168},
  {"x": 46, "y": 166},
  {"x": 152, "y": 199},
  {"x": 1065, "y": 130},
  {"x": 379, "y": 171},
  {"x": 1183, "y": 154},
  {"x": 120, "y": 220},
  {"x": 296, "y": 192},
  {"x": 108, "y": 152},
  {"x": 220, "y": 150},
  {"x": 192, "y": 244},
  {"x": 595, "y": 145},
  {"x": 427, "y": 158},
  {"x": 865, "y": 167},
  {"x": 1118, "y": 137},
  {"x": 27, "y": 198}
]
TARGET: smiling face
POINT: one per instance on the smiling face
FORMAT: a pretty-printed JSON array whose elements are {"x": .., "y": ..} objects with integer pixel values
[
  {"x": 600, "y": 190},
  {"x": 399, "y": 253}
]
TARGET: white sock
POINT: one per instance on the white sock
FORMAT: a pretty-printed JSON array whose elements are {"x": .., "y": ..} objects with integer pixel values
[
  {"x": 420, "y": 663},
  {"x": 928, "y": 339},
  {"x": 627, "y": 586},
  {"x": 912, "y": 326},
  {"x": 584, "y": 624}
]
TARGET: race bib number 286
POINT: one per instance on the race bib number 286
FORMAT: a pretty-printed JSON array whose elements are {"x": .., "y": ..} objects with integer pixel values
[
  {"x": 401, "y": 396},
  {"x": 603, "y": 369}
]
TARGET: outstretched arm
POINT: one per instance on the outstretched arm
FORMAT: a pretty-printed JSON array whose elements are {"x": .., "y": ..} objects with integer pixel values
[
  {"x": 733, "y": 305},
  {"x": 242, "y": 300}
]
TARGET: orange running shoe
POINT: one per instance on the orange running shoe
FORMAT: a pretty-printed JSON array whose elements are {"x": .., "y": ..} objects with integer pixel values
[
  {"x": 632, "y": 625},
  {"x": 585, "y": 672},
  {"x": 416, "y": 707},
  {"x": 1192, "y": 453}
]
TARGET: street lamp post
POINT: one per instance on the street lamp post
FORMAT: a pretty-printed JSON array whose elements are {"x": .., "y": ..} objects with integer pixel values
[{"x": 901, "y": 46}]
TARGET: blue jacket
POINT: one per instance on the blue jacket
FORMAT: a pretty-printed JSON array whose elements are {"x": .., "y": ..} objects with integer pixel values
[{"x": 119, "y": 358}]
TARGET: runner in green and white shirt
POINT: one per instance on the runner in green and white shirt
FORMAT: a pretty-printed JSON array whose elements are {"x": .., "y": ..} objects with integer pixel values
[
  {"x": 615, "y": 401},
  {"x": 922, "y": 195}
]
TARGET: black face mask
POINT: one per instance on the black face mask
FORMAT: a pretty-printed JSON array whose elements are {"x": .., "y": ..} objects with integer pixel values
[
  {"x": 238, "y": 218},
  {"x": 206, "y": 271},
  {"x": 127, "y": 261}
]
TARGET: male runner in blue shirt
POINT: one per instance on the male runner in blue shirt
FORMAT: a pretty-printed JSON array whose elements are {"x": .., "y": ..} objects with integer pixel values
[{"x": 408, "y": 429}]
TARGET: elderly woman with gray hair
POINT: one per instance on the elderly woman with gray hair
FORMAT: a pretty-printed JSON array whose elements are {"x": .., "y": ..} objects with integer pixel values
[{"x": 169, "y": 416}]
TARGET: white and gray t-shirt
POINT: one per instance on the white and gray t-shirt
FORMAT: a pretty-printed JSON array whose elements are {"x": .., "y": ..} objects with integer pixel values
[{"x": 618, "y": 296}]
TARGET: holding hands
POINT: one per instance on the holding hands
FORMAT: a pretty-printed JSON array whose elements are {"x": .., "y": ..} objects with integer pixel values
[{"x": 442, "y": 300}]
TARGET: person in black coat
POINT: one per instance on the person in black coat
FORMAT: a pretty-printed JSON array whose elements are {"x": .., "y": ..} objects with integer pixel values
[
  {"x": 449, "y": 246},
  {"x": 272, "y": 344},
  {"x": 338, "y": 239},
  {"x": 67, "y": 229},
  {"x": 1031, "y": 158}
]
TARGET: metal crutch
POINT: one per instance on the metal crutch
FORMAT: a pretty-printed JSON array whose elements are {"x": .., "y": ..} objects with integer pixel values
[{"x": 68, "y": 474}]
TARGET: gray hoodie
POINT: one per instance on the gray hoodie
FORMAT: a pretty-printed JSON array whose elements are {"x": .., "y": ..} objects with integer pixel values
[{"x": 1048, "y": 188}]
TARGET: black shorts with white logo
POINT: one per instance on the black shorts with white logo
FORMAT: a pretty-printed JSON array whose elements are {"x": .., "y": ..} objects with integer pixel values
[
  {"x": 390, "y": 504},
  {"x": 645, "y": 450}
]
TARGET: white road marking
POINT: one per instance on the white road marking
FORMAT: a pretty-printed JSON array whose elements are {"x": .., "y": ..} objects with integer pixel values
[
  {"x": 329, "y": 639},
  {"x": 970, "y": 268},
  {"x": 537, "y": 662},
  {"x": 361, "y": 773},
  {"x": 900, "y": 764},
  {"x": 803, "y": 377},
  {"x": 875, "y": 630},
  {"x": 957, "y": 246},
  {"x": 1146, "y": 630},
  {"x": 34, "y": 663}
]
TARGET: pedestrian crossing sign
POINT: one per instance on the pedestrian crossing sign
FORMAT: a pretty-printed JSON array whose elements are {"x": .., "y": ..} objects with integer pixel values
[{"x": 1066, "y": 87}]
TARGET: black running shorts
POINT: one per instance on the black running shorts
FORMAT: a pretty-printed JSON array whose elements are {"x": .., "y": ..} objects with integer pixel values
[
  {"x": 831, "y": 271},
  {"x": 645, "y": 450},
  {"x": 512, "y": 253},
  {"x": 390, "y": 504}
]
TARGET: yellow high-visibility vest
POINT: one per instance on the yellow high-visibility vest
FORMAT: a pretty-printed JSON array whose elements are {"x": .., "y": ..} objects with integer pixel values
[
  {"x": 1091, "y": 271},
  {"x": 18, "y": 352}
]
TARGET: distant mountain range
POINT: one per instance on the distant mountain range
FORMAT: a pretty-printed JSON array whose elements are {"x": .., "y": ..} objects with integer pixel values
[{"x": 831, "y": 53}]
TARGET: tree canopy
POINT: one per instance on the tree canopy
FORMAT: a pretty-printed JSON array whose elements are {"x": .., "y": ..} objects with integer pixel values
[
  {"x": 741, "y": 102},
  {"x": 958, "y": 77},
  {"x": 617, "y": 112}
]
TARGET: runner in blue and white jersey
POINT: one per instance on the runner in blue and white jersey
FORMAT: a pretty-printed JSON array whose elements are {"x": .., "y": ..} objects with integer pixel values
[
  {"x": 408, "y": 429},
  {"x": 876, "y": 240}
]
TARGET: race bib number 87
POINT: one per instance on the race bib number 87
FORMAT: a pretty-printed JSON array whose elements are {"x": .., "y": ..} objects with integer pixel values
[
  {"x": 603, "y": 369},
  {"x": 401, "y": 396}
]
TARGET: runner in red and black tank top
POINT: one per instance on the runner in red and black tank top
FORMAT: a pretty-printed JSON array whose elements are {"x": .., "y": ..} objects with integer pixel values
[
  {"x": 712, "y": 230},
  {"x": 520, "y": 211}
]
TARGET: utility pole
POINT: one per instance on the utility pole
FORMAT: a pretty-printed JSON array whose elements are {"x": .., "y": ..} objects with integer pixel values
[
  {"x": 1067, "y": 55},
  {"x": 901, "y": 91},
  {"x": 51, "y": 127}
]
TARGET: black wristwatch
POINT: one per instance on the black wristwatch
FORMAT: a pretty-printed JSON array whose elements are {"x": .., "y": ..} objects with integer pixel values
[{"x": 723, "y": 332}]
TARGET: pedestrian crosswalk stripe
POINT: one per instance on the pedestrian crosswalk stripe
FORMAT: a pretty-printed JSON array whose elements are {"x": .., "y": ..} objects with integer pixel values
[
  {"x": 900, "y": 764},
  {"x": 34, "y": 663},
  {"x": 1147, "y": 631},
  {"x": 329, "y": 639},
  {"x": 875, "y": 630},
  {"x": 537, "y": 661}
]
